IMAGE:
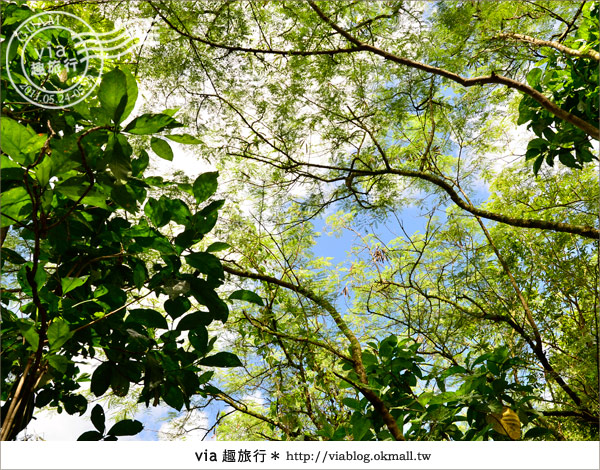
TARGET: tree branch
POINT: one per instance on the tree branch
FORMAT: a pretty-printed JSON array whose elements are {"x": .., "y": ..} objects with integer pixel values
[
  {"x": 355, "y": 347},
  {"x": 591, "y": 54},
  {"x": 588, "y": 128}
]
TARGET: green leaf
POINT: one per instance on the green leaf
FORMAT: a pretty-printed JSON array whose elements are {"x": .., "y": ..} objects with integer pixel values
[
  {"x": 194, "y": 320},
  {"x": 161, "y": 148},
  {"x": 567, "y": 159},
  {"x": 139, "y": 165},
  {"x": 16, "y": 206},
  {"x": 119, "y": 157},
  {"x": 101, "y": 379},
  {"x": 204, "y": 221},
  {"x": 205, "y": 186},
  {"x": 199, "y": 339},
  {"x": 151, "y": 124},
  {"x": 75, "y": 404},
  {"x": 536, "y": 432},
  {"x": 205, "y": 294},
  {"x": 177, "y": 306},
  {"x": 98, "y": 418},
  {"x": 39, "y": 278},
  {"x": 538, "y": 164},
  {"x": 222, "y": 359},
  {"x": 126, "y": 427},
  {"x": 217, "y": 246},
  {"x": 58, "y": 333},
  {"x": 360, "y": 426},
  {"x": 533, "y": 77},
  {"x": 119, "y": 382},
  {"x": 73, "y": 188},
  {"x": 207, "y": 264},
  {"x": 44, "y": 171},
  {"x": 158, "y": 211},
  {"x": 147, "y": 317},
  {"x": 246, "y": 295},
  {"x": 15, "y": 139},
  {"x": 60, "y": 363},
  {"x": 70, "y": 283},
  {"x": 132, "y": 93},
  {"x": 113, "y": 94},
  {"x": 173, "y": 397},
  {"x": 183, "y": 139},
  {"x": 125, "y": 197},
  {"x": 139, "y": 275},
  {"x": 353, "y": 404},
  {"x": 180, "y": 212},
  {"x": 29, "y": 333},
  {"x": 90, "y": 436},
  {"x": 12, "y": 256}
]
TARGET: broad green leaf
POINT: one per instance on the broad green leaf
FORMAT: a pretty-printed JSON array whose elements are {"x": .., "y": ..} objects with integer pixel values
[
  {"x": 29, "y": 333},
  {"x": 124, "y": 196},
  {"x": 15, "y": 139},
  {"x": 183, "y": 139},
  {"x": 198, "y": 338},
  {"x": 44, "y": 171},
  {"x": 70, "y": 283},
  {"x": 132, "y": 93},
  {"x": 58, "y": 333},
  {"x": 360, "y": 426},
  {"x": 60, "y": 363},
  {"x": 75, "y": 404},
  {"x": 119, "y": 153},
  {"x": 101, "y": 379},
  {"x": 161, "y": 148},
  {"x": 538, "y": 164},
  {"x": 207, "y": 264},
  {"x": 180, "y": 212},
  {"x": 90, "y": 436},
  {"x": 126, "y": 427},
  {"x": 177, "y": 306},
  {"x": 158, "y": 211},
  {"x": 15, "y": 206},
  {"x": 73, "y": 188},
  {"x": 204, "y": 221},
  {"x": 151, "y": 124},
  {"x": 119, "y": 382},
  {"x": 39, "y": 277},
  {"x": 247, "y": 295},
  {"x": 353, "y": 403},
  {"x": 12, "y": 256},
  {"x": 139, "y": 165},
  {"x": 536, "y": 432},
  {"x": 173, "y": 397},
  {"x": 205, "y": 294},
  {"x": 113, "y": 94},
  {"x": 205, "y": 186},
  {"x": 533, "y": 77},
  {"x": 98, "y": 418},
  {"x": 147, "y": 317},
  {"x": 221, "y": 359},
  {"x": 194, "y": 320},
  {"x": 217, "y": 246}
]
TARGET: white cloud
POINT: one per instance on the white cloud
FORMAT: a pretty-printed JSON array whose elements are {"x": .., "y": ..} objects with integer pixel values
[
  {"x": 191, "y": 425},
  {"x": 51, "y": 426}
]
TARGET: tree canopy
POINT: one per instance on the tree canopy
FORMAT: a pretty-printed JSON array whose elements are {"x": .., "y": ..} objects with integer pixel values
[{"x": 451, "y": 146}]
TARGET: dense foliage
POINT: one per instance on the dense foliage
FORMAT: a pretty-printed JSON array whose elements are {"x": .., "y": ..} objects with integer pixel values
[
  {"x": 83, "y": 258},
  {"x": 466, "y": 307}
]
